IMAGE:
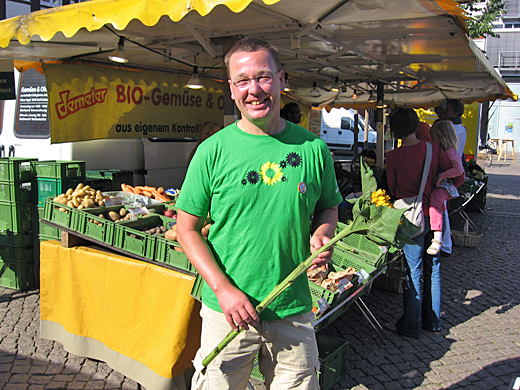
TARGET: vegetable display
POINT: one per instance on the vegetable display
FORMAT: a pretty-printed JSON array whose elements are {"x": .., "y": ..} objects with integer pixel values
[
  {"x": 82, "y": 197},
  {"x": 151, "y": 192}
]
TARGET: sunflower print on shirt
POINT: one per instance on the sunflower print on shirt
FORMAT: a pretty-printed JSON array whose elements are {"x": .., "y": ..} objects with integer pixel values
[{"x": 271, "y": 173}]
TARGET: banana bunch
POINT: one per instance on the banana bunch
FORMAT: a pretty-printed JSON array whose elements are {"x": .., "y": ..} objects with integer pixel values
[{"x": 380, "y": 198}]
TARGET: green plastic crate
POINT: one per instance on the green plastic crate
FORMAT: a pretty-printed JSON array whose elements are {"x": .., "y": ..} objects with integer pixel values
[
  {"x": 16, "y": 253},
  {"x": 15, "y": 217},
  {"x": 196, "y": 290},
  {"x": 16, "y": 169},
  {"x": 103, "y": 185},
  {"x": 362, "y": 247},
  {"x": 66, "y": 217},
  {"x": 117, "y": 176},
  {"x": 49, "y": 188},
  {"x": 15, "y": 191},
  {"x": 16, "y": 239},
  {"x": 103, "y": 230},
  {"x": 17, "y": 274},
  {"x": 333, "y": 356},
  {"x": 59, "y": 169},
  {"x": 166, "y": 253},
  {"x": 344, "y": 259},
  {"x": 334, "y": 312},
  {"x": 129, "y": 236},
  {"x": 49, "y": 231},
  {"x": 332, "y": 298}
]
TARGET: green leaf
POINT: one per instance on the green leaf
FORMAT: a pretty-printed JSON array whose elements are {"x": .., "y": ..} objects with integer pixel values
[{"x": 368, "y": 181}]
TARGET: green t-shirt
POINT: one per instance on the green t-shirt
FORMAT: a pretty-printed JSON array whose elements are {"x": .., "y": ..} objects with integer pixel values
[{"x": 261, "y": 192}]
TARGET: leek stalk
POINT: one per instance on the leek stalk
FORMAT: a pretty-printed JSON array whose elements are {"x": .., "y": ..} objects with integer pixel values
[{"x": 302, "y": 267}]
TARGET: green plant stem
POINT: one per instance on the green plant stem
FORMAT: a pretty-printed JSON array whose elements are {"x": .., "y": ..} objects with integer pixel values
[{"x": 302, "y": 267}]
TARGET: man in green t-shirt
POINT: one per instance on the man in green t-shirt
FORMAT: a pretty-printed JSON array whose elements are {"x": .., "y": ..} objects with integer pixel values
[{"x": 270, "y": 188}]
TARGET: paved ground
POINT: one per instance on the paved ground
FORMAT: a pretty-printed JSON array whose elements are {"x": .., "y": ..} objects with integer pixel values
[{"x": 478, "y": 348}]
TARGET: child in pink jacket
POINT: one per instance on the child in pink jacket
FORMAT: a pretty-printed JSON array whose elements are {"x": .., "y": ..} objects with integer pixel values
[{"x": 443, "y": 134}]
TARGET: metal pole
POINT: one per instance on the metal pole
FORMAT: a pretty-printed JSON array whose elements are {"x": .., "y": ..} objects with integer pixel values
[{"x": 380, "y": 116}]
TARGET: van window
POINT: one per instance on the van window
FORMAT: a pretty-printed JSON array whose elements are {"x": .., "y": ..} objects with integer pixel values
[
  {"x": 346, "y": 124},
  {"x": 32, "y": 119}
]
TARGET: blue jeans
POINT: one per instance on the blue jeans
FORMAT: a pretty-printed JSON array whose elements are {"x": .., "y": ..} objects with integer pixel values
[{"x": 422, "y": 306}]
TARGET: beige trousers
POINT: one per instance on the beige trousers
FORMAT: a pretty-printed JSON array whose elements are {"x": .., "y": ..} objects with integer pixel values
[{"x": 288, "y": 356}]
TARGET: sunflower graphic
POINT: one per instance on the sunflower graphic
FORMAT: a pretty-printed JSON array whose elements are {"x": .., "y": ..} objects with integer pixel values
[{"x": 271, "y": 173}]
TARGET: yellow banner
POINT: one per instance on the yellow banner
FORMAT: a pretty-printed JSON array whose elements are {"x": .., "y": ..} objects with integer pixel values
[{"x": 89, "y": 102}]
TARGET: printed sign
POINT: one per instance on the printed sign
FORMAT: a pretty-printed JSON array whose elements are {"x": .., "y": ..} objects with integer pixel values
[
  {"x": 89, "y": 102},
  {"x": 7, "y": 89}
]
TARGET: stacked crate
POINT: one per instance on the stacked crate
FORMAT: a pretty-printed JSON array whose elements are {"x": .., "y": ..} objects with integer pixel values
[
  {"x": 50, "y": 179},
  {"x": 114, "y": 176},
  {"x": 17, "y": 268}
]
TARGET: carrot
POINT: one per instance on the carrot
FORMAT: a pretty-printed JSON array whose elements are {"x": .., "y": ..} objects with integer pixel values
[
  {"x": 147, "y": 193},
  {"x": 123, "y": 187},
  {"x": 160, "y": 197},
  {"x": 130, "y": 189},
  {"x": 138, "y": 191},
  {"x": 146, "y": 188},
  {"x": 161, "y": 190}
]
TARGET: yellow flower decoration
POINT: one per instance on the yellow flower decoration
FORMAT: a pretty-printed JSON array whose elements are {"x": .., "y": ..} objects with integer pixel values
[
  {"x": 380, "y": 198},
  {"x": 271, "y": 173}
]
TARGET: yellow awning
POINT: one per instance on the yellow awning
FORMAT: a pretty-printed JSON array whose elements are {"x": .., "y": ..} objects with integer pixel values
[{"x": 418, "y": 49}]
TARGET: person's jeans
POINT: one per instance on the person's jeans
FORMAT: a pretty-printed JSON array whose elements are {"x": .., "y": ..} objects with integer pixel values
[{"x": 422, "y": 307}]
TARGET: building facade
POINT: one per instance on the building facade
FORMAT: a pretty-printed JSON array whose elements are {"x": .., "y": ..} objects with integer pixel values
[{"x": 504, "y": 54}]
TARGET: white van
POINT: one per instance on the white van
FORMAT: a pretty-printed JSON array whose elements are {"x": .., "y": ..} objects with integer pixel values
[
  {"x": 155, "y": 162},
  {"x": 337, "y": 130}
]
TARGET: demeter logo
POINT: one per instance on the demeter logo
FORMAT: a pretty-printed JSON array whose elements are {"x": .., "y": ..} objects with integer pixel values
[{"x": 66, "y": 106}]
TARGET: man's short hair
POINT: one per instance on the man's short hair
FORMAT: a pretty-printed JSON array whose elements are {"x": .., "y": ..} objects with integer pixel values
[
  {"x": 403, "y": 122},
  {"x": 457, "y": 106},
  {"x": 251, "y": 44},
  {"x": 290, "y": 108}
]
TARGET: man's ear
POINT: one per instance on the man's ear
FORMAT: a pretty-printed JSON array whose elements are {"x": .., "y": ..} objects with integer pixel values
[{"x": 231, "y": 89}]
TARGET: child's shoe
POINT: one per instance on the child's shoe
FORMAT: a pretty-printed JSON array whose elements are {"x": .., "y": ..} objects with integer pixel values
[{"x": 435, "y": 247}]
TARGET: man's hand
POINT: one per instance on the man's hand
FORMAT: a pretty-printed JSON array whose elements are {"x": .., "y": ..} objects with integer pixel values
[
  {"x": 236, "y": 307},
  {"x": 324, "y": 224},
  {"x": 317, "y": 241}
]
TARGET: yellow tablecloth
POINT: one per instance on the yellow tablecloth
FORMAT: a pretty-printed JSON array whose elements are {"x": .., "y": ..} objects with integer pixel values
[{"x": 137, "y": 317}]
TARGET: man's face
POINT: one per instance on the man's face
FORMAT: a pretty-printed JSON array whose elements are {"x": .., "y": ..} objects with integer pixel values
[
  {"x": 259, "y": 100},
  {"x": 295, "y": 116},
  {"x": 449, "y": 113},
  {"x": 441, "y": 113}
]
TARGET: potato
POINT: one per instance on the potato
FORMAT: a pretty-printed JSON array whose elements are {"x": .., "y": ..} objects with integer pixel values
[
  {"x": 79, "y": 186},
  {"x": 80, "y": 207},
  {"x": 123, "y": 212},
  {"x": 88, "y": 203},
  {"x": 171, "y": 235},
  {"x": 70, "y": 203},
  {"x": 60, "y": 200},
  {"x": 101, "y": 203},
  {"x": 113, "y": 216},
  {"x": 80, "y": 192},
  {"x": 69, "y": 191}
]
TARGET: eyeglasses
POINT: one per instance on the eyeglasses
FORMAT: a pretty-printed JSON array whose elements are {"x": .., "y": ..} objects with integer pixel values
[{"x": 261, "y": 79}]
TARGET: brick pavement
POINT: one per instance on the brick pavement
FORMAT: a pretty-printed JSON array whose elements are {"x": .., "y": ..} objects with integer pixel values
[{"x": 478, "y": 348}]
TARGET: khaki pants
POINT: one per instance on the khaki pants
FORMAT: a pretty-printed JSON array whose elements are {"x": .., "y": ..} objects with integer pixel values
[{"x": 288, "y": 356}]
